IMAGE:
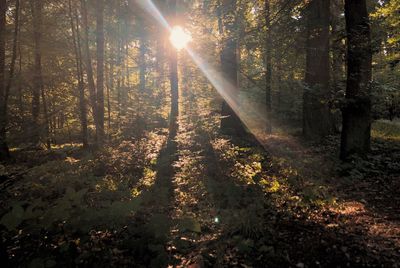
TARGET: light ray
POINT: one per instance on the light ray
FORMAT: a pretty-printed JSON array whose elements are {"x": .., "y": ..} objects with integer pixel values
[
  {"x": 248, "y": 114},
  {"x": 251, "y": 117},
  {"x": 151, "y": 8}
]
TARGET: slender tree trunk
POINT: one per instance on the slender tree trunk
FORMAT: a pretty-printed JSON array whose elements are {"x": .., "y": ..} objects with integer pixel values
[
  {"x": 160, "y": 58},
  {"x": 142, "y": 59},
  {"x": 100, "y": 68},
  {"x": 89, "y": 68},
  {"x": 230, "y": 122},
  {"x": 19, "y": 88},
  {"x": 37, "y": 7},
  {"x": 128, "y": 80},
  {"x": 356, "y": 133},
  {"x": 109, "y": 89},
  {"x": 119, "y": 74},
  {"x": 338, "y": 51},
  {"x": 173, "y": 70},
  {"x": 14, "y": 51},
  {"x": 46, "y": 119},
  {"x": 4, "y": 152},
  {"x": 79, "y": 75},
  {"x": 337, "y": 47},
  {"x": 268, "y": 67},
  {"x": 317, "y": 120},
  {"x": 279, "y": 83}
]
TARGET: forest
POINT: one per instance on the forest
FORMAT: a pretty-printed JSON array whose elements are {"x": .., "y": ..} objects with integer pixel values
[{"x": 200, "y": 133}]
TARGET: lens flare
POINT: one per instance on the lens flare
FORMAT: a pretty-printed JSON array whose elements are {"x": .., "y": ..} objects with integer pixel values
[
  {"x": 252, "y": 116},
  {"x": 179, "y": 37}
]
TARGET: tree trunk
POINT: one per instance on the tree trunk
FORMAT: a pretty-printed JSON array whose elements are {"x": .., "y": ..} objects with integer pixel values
[
  {"x": 173, "y": 69},
  {"x": 89, "y": 68},
  {"x": 109, "y": 89},
  {"x": 46, "y": 119},
  {"x": 142, "y": 59},
  {"x": 37, "y": 7},
  {"x": 268, "y": 67},
  {"x": 230, "y": 121},
  {"x": 317, "y": 121},
  {"x": 79, "y": 75},
  {"x": 338, "y": 50},
  {"x": 356, "y": 133},
  {"x": 337, "y": 47},
  {"x": 4, "y": 152},
  {"x": 100, "y": 68}
]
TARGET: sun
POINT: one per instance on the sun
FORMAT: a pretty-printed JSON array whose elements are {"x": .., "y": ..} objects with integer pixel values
[{"x": 179, "y": 37}]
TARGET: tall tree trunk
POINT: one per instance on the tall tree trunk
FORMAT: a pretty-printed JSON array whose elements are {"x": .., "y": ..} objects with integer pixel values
[
  {"x": 46, "y": 119},
  {"x": 14, "y": 49},
  {"x": 79, "y": 74},
  {"x": 173, "y": 69},
  {"x": 356, "y": 133},
  {"x": 4, "y": 152},
  {"x": 142, "y": 58},
  {"x": 19, "y": 88},
  {"x": 338, "y": 51},
  {"x": 119, "y": 73},
  {"x": 160, "y": 58},
  {"x": 268, "y": 67},
  {"x": 230, "y": 122},
  {"x": 37, "y": 7},
  {"x": 89, "y": 68},
  {"x": 337, "y": 47},
  {"x": 317, "y": 120},
  {"x": 128, "y": 75},
  {"x": 109, "y": 89},
  {"x": 100, "y": 68}
]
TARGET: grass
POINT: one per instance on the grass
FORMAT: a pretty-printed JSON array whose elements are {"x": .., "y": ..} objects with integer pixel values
[{"x": 387, "y": 130}]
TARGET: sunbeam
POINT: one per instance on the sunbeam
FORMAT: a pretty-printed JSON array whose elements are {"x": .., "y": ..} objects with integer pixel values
[
  {"x": 228, "y": 91},
  {"x": 248, "y": 114},
  {"x": 151, "y": 8}
]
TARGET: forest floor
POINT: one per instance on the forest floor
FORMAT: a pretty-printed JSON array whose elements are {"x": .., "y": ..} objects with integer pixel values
[{"x": 200, "y": 199}]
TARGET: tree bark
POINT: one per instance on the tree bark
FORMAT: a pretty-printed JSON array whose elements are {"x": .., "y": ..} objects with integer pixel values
[
  {"x": 46, "y": 119},
  {"x": 37, "y": 7},
  {"x": 100, "y": 69},
  {"x": 173, "y": 70},
  {"x": 110, "y": 88},
  {"x": 317, "y": 120},
  {"x": 142, "y": 58},
  {"x": 89, "y": 68},
  {"x": 4, "y": 152},
  {"x": 356, "y": 133},
  {"x": 268, "y": 67},
  {"x": 79, "y": 74},
  {"x": 230, "y": 121}
]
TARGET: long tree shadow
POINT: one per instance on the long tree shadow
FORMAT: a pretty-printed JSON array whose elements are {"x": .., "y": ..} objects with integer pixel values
[
  {"x": 149, "y": 232},
  {"x": 268, "y": 230}
]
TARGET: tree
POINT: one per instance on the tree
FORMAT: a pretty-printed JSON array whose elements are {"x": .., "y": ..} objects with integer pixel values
[
  {"x": 173, "y": 72},
  {"x": 89, "y": 67},
  {"x": 356, "y": 133},
  {"x": 268, "y": 66},
  {"x": 317, "y": 121},
  {"x": 4, "y": 152},
  {"x": 142, "y": 56},
  {"x": 100, "y": 69},
  {"x": 79, "y": 73},
  {"x": 37, "y": 6},
  {"x": 230, "y": 122}
]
